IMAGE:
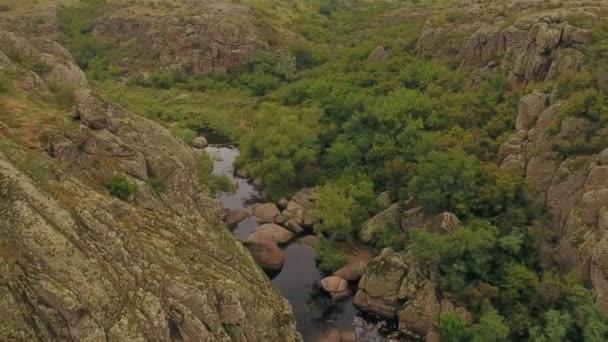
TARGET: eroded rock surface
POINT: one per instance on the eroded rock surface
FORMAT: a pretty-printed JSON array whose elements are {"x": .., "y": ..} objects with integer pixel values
[{"x": 79, "y": 264}]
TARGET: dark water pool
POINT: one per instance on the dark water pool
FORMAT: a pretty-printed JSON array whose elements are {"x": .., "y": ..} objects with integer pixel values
[{"x": 315, "y": 312}]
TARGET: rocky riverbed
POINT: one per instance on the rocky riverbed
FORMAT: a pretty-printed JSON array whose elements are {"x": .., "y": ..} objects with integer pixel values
[{"x": 283, "y": 244}]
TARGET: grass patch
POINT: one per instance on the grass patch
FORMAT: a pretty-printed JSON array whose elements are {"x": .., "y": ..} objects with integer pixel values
[
  {"x": 225, "y": 112},
  {"x": 120, "y": 186}
]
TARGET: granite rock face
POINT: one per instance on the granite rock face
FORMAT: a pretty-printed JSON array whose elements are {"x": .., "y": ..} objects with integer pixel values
[
  {"x": 573, "y": 188},
  {"x": 79, "y": 264},
  {"x": 194, "y": 37},
  {"x": 528, "y": 40}
]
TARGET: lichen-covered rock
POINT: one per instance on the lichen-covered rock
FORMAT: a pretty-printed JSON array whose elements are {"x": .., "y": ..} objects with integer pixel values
[
  {"x": 84, "y": 265},
  {"x": 191, "y": 37},
  {"x": 379, "y": 287},
  {"x": 265, "y": 251},
  {"x": 421, "y": 312},
  {"x": 382, "y": 220}
]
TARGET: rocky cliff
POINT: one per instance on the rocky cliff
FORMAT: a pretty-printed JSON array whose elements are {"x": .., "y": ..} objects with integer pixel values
[
  {"x": 529, "y": 41},
  {"x": 573, "y": 188},
  {"x": 194, "y": 37},
  {"x": 79, "y": 264}
]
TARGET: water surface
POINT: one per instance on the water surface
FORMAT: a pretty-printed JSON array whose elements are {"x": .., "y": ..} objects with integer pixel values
[{"x": 314, "y": 311}]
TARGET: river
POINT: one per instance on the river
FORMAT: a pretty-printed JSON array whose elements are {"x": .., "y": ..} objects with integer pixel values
[{"x": 314, "y": 311}]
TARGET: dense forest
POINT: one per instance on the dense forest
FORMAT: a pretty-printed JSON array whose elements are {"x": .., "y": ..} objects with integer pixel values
[{"x": 322, "y": 106}]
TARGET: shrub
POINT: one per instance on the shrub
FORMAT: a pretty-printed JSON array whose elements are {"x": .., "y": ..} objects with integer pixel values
[
  {"x": 391, "y": 236},
  {"x": 452, "y": 328},
  {"x": 215, "y": 183},
  {"x": 4, "y": 8},
  {"x": 260, "y": 83},
  {"x": 186, "y": 134},
  {"x": 329, "y": 256},
  {"x": 120, "y": 186}
]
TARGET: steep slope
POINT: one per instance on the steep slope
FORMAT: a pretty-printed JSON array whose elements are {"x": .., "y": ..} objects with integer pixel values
[{"x": 79, "y": 264}]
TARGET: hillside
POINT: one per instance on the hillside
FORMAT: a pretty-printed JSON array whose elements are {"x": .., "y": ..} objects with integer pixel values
[
  {"x": 464, "y": 143},
  {"x": 106, "y": 232}
]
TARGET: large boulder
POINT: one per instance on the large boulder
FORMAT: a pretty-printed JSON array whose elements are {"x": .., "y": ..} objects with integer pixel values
[
  {"x": 199, "y": 142},
  {"x": 279, "y": 234},
  {"x": 267, "y": 213},
  {"x": 530, "y": 107},
  {"x": 234, "y": 217},
  {"x": 385, "y": 219},
  {"x": 352, "y": 271},
  {"x": 421, "y": 312},
  {"x": 379, "y": 288},
  {"x": 336, "y": 287},
  {"x": 265, "y": 251}
]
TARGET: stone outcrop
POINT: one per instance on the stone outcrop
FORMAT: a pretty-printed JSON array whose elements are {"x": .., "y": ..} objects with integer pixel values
[
  {"x": 298, "y": 212},
  {"x": 527, "y": 40},
  {"x": 79, "y": 264},
  {"x": 191, "y": 37},
  {"x": 574, "y": 188},
  {"x": 395, "y": 286},
  {"x": 265, "y": 251}
]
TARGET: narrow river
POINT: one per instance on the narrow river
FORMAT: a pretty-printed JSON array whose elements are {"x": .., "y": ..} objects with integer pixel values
[{"x": 315, "y": 312}]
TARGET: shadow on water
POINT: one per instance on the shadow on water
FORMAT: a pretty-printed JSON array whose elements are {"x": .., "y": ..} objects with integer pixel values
[{"x": 298, "y": 280}]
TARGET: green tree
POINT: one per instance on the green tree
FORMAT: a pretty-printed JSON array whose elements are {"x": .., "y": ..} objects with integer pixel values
[
  {"x": 490, "y": 328},
  {"x": 453, "y": 329}
]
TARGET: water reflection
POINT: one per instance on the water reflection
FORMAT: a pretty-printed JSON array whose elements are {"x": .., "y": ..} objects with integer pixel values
[{"x": 298, "y": 280}]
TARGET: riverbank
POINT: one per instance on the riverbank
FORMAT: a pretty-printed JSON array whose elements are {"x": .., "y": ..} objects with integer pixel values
[{"x": 317, "y": 315}]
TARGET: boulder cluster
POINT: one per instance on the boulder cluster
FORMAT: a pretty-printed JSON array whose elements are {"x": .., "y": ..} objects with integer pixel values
[{"x": 276, "y": 227}]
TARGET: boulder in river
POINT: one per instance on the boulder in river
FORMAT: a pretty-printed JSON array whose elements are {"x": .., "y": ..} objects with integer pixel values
[
  {"x": 282, "y": 203},
  {"x": 233, "y": 217},
  {"x": 294, "y": 226},
  {"x": 310, "y": 240},
  {"x": 199, "y": 142},
  {"x": 280, "y": 234},
  {"x": 352, "y": 271},
  {"x": 267, "y": 213},
  {"x": 265, "y": 251},
  {"x": 336, "y": 287}
]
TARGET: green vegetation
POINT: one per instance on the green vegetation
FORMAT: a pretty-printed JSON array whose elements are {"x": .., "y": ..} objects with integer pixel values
[
  {"x": 120, "y": 186},
  {"x": 499, "y": 276},
  {"x": 330, "y": 256},
  {"x": 76, "y": 24},
  {"x": 314, "y": 111},
  {"x": 215, "y": 183}
]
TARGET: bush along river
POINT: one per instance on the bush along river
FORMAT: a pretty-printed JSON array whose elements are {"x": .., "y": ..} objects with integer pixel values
[{"x": 280, "y": 238}]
